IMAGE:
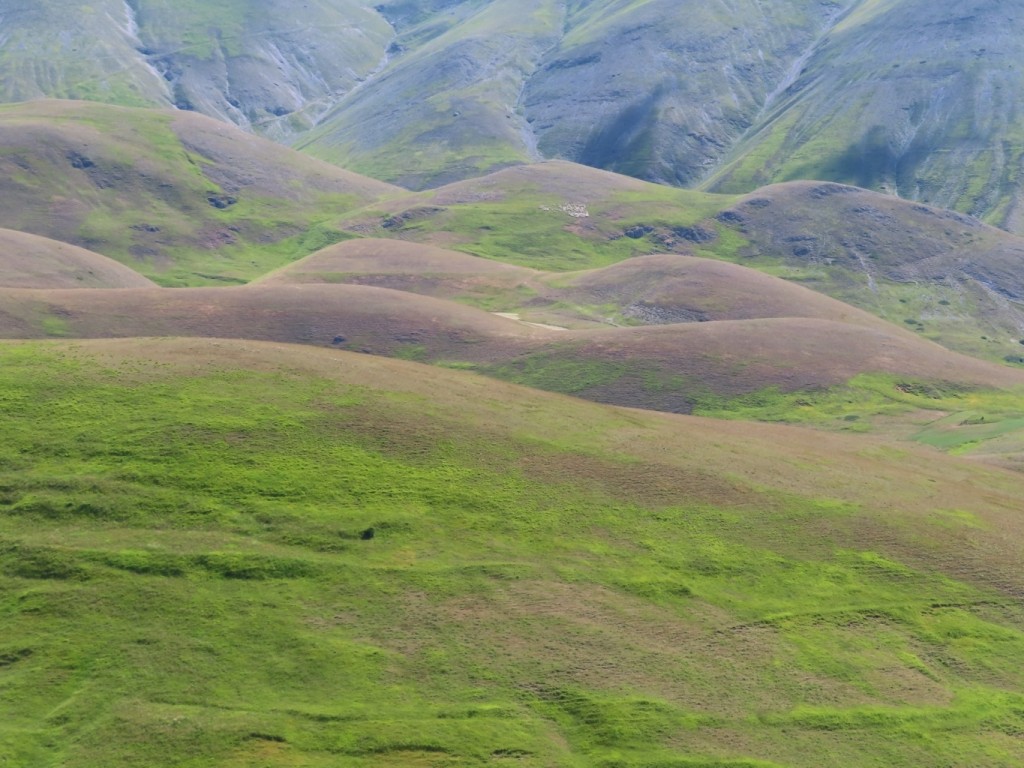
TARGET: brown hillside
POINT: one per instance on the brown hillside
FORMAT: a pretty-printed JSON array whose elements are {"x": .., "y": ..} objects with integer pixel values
[
  {"x": 648, "y": 290},
  {"x": 30, "y": 261},
  {"x": 403, "y": 265},
  {"x": 360, "y": 318},
  {"x": 672, "y": 288},
  {"x": 665, "y": 367},
  {"x": 662, "y": 367}
]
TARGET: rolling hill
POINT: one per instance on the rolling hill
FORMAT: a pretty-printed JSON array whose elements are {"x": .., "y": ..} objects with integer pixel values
[
  {"x": 273, "y": 492},
  {"x": 28, "y": 261},
  {"x": 185, "y": 200},
  {"x": 231, "y": 553},
  {"x": 824, "y": 363},
  {"x": 181, "y": 198},
  {"x": 945, "y": 275}
]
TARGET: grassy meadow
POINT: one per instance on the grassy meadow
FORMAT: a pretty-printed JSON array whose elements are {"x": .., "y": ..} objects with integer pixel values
[{"x": 223, "y": 553}]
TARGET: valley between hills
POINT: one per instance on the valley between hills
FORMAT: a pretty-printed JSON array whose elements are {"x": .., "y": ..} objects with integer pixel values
[
  {"x": 552, "y": 466},
  {"x": 496, "y": 456}
]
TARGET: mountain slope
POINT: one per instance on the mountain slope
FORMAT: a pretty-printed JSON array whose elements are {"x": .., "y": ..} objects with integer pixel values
[
  {"x": 916, "y": 98},
  {"x": 248, "y": 554},
  {"x": 670, "y": 367},
  {"x": 446, "y": 108},
  {"x": 598, "y": 83},
  {"x": 177, "y": 196},
  {"x": 261, "y": 64},
  {"x": 659, "y": 90},
  {"x": 911, "y": 97}
]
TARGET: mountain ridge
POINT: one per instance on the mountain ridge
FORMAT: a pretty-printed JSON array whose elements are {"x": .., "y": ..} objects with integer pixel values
[{"x": 423, "y": 95}]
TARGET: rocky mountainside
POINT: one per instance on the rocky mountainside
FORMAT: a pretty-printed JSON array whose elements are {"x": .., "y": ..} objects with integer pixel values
[
  {"x": 657, "y": 90},
  {"x": 909, "y": 97},
  {"x": 262, "y": 64},
  {"x": 913, "y": 97}
]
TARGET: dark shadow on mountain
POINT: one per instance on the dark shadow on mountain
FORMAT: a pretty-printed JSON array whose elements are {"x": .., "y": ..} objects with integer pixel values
[{"x": 625, "y": 145}]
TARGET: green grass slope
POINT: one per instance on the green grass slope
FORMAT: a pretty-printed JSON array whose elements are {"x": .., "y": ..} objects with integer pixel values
[
  {"x": 29, "y": 261},
  {"x": 553, "y": 216},
  {"x": 178, "y": 197},
  {"x": 188, "y": 577}
]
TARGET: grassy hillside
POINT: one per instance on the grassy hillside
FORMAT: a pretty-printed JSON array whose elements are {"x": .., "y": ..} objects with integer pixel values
[
  {"x": 182, "y": 199},
  {"x": 188, "y": 576},
  {"x": 939, "y": 273},
  {"x": 553, "y": 215},
  {"x": 822, "y": 363},
  {"x": 945, "y": 275},
  {"x": 29, "y": 261}
]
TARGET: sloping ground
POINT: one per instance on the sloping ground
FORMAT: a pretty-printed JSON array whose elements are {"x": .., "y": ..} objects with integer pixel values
[
  {"x": 552, "y": 215},
  {"x": 473, "y": 86},
  {"x": 231, "y": 553},
  {"x": 940, "y": 273},
  {"x": 644, "y": 290},
  {"x": 880, "y": 103},
  {"x": 673, "y": 367},
  {"x": 404, "y": 266},
  {"x": 28, "y": 261},
  {"x": 444, "y": 105},
  {"x": 664, "y": 367},
  {"x": 181, "y": 198},
  {"x": 267, "y": 65},
  {"x": 611, "y": 95},
  {"x": 670, "y": 288},
  {"x": 376, "y": 320}
]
